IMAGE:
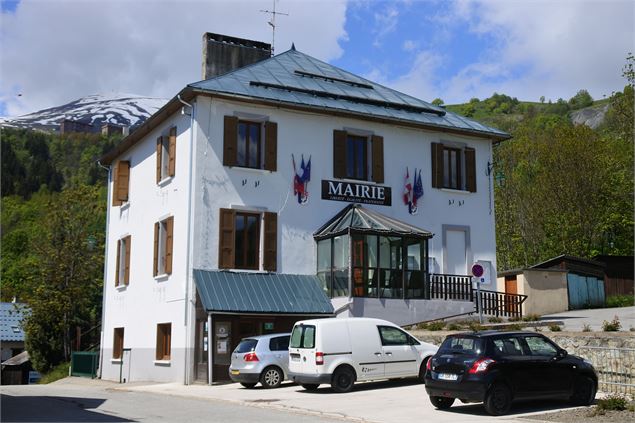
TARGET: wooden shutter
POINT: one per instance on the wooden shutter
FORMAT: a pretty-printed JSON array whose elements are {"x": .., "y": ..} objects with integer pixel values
[
  {"x": 271, "y": 146},
  {"x": 437, "y": 165},
  {"x": 118, "y": 264},
  {"x": 378, "y": 158},
  {"x": 172, "y": 152},
  {"x": 168, "y": 244},
  {"x": 339, "y": 153},
  {"x": 115, "y": 185},
  {"x": 159, "y": 346},
  {"x": 230, "y": 140},
  {"x": 470, "y": 169},
  {"x": 270, "y": 242},
  {"x": 227, "y": 233},
  {"x": 159, "y": 154},
  {"x": 123, "y": 181},
  {"x": 126, "y": 279},
  {"x": 156, "y": 250}
]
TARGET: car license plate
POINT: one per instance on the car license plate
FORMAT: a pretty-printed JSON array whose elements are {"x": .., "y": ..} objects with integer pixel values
[
  {"x": 235, "y": 372},
  {"x": 448, "y": 376},
  {"x": 295, "y": 357}
]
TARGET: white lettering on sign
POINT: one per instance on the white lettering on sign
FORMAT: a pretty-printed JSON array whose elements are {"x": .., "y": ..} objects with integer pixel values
[
  {"x": 349, "y": 191},
  {"x": 333, "y": 190}
]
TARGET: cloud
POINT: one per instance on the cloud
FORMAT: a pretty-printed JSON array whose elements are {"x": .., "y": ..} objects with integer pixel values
[
  {"x": 422, "y": 79},
  {"x": 385, "y": 22},
  {"x": 56, "y": 51},
  {"x": 409, "y": 45}
]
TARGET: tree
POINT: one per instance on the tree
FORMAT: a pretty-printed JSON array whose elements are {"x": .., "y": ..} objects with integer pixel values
[
  {"x": 437, "y": 102},
  {"x": 542, "y": 98},
  {"x": 580, "y": 100}
]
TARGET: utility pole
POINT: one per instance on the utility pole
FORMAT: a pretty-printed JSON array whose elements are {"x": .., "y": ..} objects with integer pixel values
[{"x": 272, "y": 23}]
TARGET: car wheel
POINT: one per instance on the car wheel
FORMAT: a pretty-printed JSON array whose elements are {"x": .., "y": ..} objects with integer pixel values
[
  {"x": 583, "y": 392},
  {"x": 498, "y": 400},
  {"x": 343, "y": 380},
  {"x": 310, "y": 386},
  {"x": 422, "y": 370},
  {"x": 442, "y": 403},
  {"x": 248, "y": 385},
  {"x": 271, "y": 377}
]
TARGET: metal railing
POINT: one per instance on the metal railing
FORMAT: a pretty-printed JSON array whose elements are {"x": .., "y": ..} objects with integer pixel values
[
  {"x": 451, "y": 287},
  {"x": 615, "y": 367},
  {"x": 501, "y": 304}
]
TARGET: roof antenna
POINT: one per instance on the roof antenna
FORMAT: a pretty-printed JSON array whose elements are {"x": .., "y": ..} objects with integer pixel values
[{"x": 272, "y": 22}]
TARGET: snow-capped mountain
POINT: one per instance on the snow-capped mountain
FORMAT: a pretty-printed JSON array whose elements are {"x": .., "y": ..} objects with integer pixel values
[{"x": 120, "y": 109}]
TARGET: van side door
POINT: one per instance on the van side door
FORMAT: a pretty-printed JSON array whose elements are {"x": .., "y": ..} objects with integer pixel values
[
  {"x": 401, "y": 358},
  {"x": 366, "y": 348}
]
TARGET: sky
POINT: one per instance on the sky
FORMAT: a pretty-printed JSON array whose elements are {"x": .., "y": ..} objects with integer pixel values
[{"x": 55, "y": 51}]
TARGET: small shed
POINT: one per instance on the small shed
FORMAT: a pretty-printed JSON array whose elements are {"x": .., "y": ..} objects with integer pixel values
[
  {"x": 618, "y": 274},
  {"x": 15, "y": 371},
  {"x": 546, "y": 289}
]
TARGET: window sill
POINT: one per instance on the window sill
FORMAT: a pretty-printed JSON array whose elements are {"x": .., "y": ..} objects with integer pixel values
[
  {"x": 165, "y": 181},
  {"x": 121, "y": 287},
  {"x": 455, "y": 191},
  {"x": 251, "y": 169},
  {"x": 161, "y": 277},
  {"x": 116, "y": 360},
  {"x": 162, "y": 362}
]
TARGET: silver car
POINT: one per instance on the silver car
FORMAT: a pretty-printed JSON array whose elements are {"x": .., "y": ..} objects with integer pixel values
[{"x": 263, "y": 359}]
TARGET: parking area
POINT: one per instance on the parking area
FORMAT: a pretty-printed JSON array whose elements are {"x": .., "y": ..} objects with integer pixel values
[{"x": 385, "y": 401}]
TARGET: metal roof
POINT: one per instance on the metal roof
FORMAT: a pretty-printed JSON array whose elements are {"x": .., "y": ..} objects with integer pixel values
[
  {"x": 296, "y": 78},
  {"x": 11, "y": 315},
  {"x": 357, "y": 218},
  {"x": 17, "y": 360},
  {"x": 270, "y": 293}
]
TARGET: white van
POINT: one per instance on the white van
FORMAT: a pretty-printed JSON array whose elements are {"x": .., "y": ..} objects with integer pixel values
[{"x": 342, "y": 351}]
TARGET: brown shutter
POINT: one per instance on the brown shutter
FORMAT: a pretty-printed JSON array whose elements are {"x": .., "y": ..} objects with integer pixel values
[
  {"x": 271, "y": 242},
  {"x": 172, "y": 152},
  {"x": 168, "y": 244},
  {"x": 230, "y": 140},
  {"x": 271, "y": 146},
  {"x": 227, "y": 234},
  {"x": 159, "y": 346},
  {"x": 437, "y": 165},
  {"x": 126, "y": 279},
  {"x": 378, "y": 159},
  {"x": 339, "y": 153},
  {"x": 470, "y": 169},
  {"x": 115, "y": 185},
  {"x": 155, "y": 270},
  {"x": 118, "y": 264},
  {"x": 123, "y": 180},
  {"x": 159, "y": 153}
]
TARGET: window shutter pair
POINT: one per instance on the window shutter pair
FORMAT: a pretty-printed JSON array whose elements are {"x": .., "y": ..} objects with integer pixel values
[
  {"x": 230, "y": 143},
  {"x": 339, "y": 156},
  {"x": 126, "y": 278},
  {"x": 121, "y": 182},
  {"x": 437, "y": 167},
  {"x": 168, "y": 246},
  {"x": 227, "y": 234}
]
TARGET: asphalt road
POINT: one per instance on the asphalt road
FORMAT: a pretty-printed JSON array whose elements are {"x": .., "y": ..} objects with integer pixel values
[{"x": 98, "y": 403}]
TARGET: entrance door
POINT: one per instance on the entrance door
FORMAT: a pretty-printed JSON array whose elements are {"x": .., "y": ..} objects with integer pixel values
[
  {"x": 511, "y": 287},
  {"x": 456, "y": 252},
  {"x": 202, "y": 345}
]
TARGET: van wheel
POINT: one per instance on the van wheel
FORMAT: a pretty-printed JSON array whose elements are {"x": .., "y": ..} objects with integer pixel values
[
  {"x": 584, "y": 391},
  {"x": 422, "y": 370},
  {"x": 498, "y": 400},
  {"x": 310, "y": 386},
  {"x": 343, "y": 380},
  {"x": 442, "y": 403},
  {"x": 271, "y": 377}
]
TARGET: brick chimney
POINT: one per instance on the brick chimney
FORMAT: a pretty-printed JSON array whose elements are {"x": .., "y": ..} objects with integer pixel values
[{"x": 222, "y": 54}]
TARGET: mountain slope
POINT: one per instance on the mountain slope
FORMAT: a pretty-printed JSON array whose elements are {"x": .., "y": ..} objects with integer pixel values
[{"x": 121, "y": 109}]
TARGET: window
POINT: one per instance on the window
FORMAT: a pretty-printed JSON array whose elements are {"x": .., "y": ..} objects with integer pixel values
[
  {"x": 241, "y": 242},
  {"x": 122, "y": 272},
  {"x": 453, "y": 167},
  {"x": 540, "y": 346},
  {"x": 466, "y": 344},
  {"x": 358, "y": 157},
  {"x": 163, "y": 236},
  {"x": 117, "y": 346},
  {"x": 166, "y": 155},
  {"x": 245, "y": 146},
  {"x": 120, "y": 182},
  {"x": 246, "y": 345},
  {"x": 280, "y": 343},
  {"x": 508, "y": 346},
  {"x": 164, "y": 340},
  {"x": 393, "y": 336},
  {"x": 303, "y": 336}
]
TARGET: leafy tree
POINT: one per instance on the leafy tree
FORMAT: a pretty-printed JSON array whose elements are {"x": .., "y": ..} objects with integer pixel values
[
  {"x": 437, "y": 102},
  {"x": 580, "y": 100}
]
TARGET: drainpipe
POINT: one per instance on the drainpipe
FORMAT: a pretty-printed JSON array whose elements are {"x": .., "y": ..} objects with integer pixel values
[
  {"x": 103, "y": 292},
  {"x": 188, "y": 271}
]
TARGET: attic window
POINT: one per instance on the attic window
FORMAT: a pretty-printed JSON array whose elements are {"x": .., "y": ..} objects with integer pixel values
[
  {"x": 334, "y": 79},
  {"x": 15, "y": 329}
]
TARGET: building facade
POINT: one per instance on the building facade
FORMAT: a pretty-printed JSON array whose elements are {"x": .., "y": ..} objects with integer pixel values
[{"x": 286, "y": 189}]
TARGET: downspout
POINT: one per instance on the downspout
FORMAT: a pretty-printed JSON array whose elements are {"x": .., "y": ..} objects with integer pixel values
[
  {"x": 103, "y": 292},
  {"x": 188, "y": 271}
]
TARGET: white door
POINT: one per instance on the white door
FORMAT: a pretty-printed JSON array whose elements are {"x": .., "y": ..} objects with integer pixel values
[
  {"x": 400, "y": 355},
  {"x": 456, "y": 253}
]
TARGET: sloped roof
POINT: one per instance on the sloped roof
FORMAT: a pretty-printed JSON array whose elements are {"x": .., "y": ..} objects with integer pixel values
[
  {"x": 11, "y": 315},
  {"x": 296, "y": 78},
  {"x": 17, "y": 360},
  {"x": 357, "y": 218}
]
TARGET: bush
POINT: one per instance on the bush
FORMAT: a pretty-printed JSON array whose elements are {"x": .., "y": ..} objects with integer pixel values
[
  {"x": 58, "y": 372},
  {"x": 531, "y": 318},
  {"x": 620, "y": 301},
  {"x": 515, "y": 326},
  {"x": 555, "y": 328},
  {"x": 423, "y": 326},
  {"x": 475, "y": 326},
  {"x": 612, "y": 402},
  {"x": 612, "y": 326},
  {"x": 438, "y": 325},
  {"x": 495, "y": 319},
  {"x": 454, "y": 326}
]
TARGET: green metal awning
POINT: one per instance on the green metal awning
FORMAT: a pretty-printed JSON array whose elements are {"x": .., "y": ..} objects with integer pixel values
[{"x": 270, "y": 293}]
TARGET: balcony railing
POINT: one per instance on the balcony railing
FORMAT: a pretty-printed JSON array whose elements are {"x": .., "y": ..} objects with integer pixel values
[{"x": 501, "y": 304}]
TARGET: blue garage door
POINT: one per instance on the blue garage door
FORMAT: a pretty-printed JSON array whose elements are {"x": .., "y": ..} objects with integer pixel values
[{"x": 585, "y": 291}]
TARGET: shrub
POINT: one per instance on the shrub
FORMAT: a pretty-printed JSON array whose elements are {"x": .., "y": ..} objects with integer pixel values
[
  {"x": 555, "y": 328},
  {"x": 475, "y": 326},
  {"x": 495, "y": 319},
  {"x": 515, "y": 326},
  {"x": 613, "y": 402},
  {"x": 454, "y": 326},
  {"x": 56, "y": 373},
  {"x": 612, "y": 326},
  {"x": 531, "y": 318},
  {"x": 438, "y": 325},
  {"x": 423, "y": 326},
  {"x": 620, "y": 301},
  {"x": 586, "y": 327}
]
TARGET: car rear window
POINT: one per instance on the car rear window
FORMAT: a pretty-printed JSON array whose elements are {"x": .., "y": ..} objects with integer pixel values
[
  {"x": 246, "y": 345},
  {"x": 303, "y": 336},
  {"x": 462, "y": 344},
  {"x": 280, "y": 343}
]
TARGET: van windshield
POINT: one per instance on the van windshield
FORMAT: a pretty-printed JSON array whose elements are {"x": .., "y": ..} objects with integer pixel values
[{"x": 303, "y": 336}]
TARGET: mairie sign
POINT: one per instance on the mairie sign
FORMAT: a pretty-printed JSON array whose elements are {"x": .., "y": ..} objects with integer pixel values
[{"x": 356, "y": 193}]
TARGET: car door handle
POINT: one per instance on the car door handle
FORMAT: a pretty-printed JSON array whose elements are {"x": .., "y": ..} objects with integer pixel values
[
  {"x": 377, "y": 353},
  {"x": 388, "y": 353}
]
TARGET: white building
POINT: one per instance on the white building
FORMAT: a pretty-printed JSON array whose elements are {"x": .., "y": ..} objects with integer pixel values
[{"x": 212, "y": 223}]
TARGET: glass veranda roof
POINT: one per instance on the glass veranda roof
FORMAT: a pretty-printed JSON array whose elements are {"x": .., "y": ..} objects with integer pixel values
[{"x": 358, "y": 219}]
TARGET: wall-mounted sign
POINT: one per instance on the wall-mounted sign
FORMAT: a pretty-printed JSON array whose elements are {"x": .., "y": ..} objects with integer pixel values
[{"x": 356, "y": 193}]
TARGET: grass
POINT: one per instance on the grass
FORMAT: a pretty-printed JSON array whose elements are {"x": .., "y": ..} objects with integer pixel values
[
  {"x": 58, "y": 372},
  {"x": 620, "y": 301}
]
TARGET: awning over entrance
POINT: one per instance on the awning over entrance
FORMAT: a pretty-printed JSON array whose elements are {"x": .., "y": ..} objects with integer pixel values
[
  {"x": 359, "y": 219},
  {"x": 269, "y": 293}
]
